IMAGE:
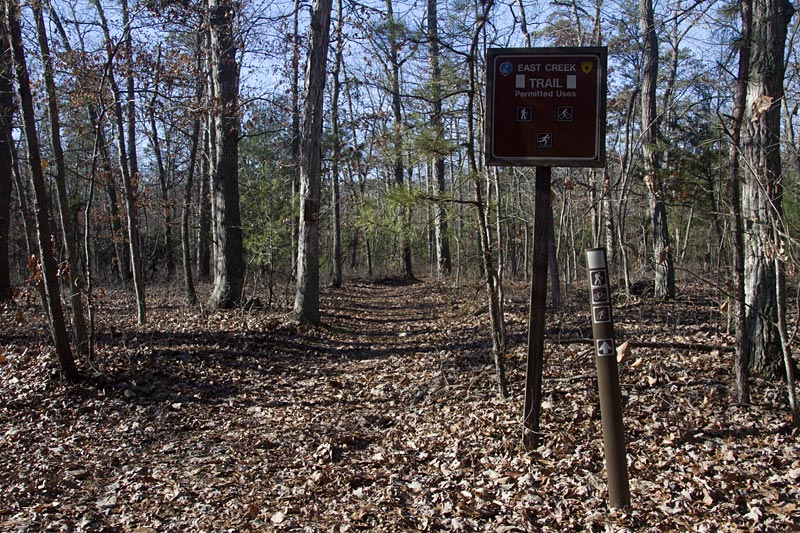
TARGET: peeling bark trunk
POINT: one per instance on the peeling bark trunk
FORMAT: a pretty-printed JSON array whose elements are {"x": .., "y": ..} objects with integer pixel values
[
  {"x": 762, "y": 193},
  {"x": 306, "y": 303},
  {"x": 742, "y": 355},
  {"x": 228, "y": 250}
]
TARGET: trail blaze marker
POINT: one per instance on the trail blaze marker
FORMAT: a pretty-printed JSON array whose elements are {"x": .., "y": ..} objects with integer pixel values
[
  {"x": 546, "y": 106},
  {"x": 608, "y": 381}
]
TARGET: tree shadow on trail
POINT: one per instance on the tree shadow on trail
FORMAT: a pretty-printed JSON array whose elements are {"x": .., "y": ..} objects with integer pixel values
[
  {"x": 212, "y": 367},
  {"x": 215, "y": 367},
  {"x": 397, "y": 281}
]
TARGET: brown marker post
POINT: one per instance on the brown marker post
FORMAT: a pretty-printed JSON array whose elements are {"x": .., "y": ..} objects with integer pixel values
[{"x": 608, "y": 379}]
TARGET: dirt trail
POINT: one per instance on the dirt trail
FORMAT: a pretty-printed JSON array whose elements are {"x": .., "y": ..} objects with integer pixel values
[
  {"x": 393, "y": 320},
  {"x": 241, "y": 422},
  {"x": 384, "y": 419}
]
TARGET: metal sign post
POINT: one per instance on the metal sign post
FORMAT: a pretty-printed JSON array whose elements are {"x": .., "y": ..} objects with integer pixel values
[{"x": 608, "y": 378}]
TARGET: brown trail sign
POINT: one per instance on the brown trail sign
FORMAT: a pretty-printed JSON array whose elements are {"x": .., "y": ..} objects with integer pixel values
[{"x": 546, "y": 107}]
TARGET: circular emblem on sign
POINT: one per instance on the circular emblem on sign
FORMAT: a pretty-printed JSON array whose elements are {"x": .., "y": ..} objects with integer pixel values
[{"x": 506, "y": 68}]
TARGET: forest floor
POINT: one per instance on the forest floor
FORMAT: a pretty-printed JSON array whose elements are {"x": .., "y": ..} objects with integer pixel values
[{"x": 385, "y": 419}]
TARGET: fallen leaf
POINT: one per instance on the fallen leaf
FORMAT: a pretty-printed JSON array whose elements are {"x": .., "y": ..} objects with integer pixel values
[{"x": 623, "y": 351}]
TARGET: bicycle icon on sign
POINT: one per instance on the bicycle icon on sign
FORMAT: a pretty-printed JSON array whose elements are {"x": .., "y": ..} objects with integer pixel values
[{"x": 565, "y": 113}]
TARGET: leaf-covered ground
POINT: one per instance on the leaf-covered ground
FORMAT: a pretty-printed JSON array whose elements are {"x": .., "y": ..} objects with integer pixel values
[{"x": 384, "y": 420}]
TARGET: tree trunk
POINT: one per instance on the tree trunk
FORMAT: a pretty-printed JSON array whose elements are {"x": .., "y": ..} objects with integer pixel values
[
  {"x": 552, "y": 258},
  {"x": 495, "y": 308},
  {"x": 487, "y": 263},
  {"x": 186, "y": 239},
  {"x": 397, "y": 155},
  {"x": 204, "y": 218},
  {"x": 444, "y": 264},
  {"x": 129, "y": 172},
  {"x": 228, "y": 251},
  {"x": 24, "y": 205},
  {"x": 742, "y": 355},
  {"x": 121, "y": 252},
  {"x": 52, "y": 292},
  {"x": 608, "y": 222},
  {"x": 186, "y": 254},
  {"x": 337, "y": 152},
  {"x": 74, "y": 278},
  {"x": 493, "y": 183},
  {"x": 662, "y": 253},
  {"x": 6, "y": 161},
  {"x": 295, "y": 90},
  {"x": 207, "y": 168},
  {"x": 762, "y": 181},
  {"x": 306, "y": 303},
  {"x": 133, "y": 163},
  {"x": 155, "y": 142}
]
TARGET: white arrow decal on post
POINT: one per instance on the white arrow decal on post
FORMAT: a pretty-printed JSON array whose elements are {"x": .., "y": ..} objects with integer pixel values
[{"x": 605, "y": 347}]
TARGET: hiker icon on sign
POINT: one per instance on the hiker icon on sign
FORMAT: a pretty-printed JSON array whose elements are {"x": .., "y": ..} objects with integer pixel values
[
  {"x": 598, "y": 279},
  {"x": 524, "y": 114}
]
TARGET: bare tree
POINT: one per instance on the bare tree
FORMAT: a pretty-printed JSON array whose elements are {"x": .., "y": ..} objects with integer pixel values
[
  {"x": 337, "y": 150},
  {"x": 444, "y": 264},
  {"x": 163, "y": 180},
  {"x": 117, "y": 231},
  {"x": 228, "y": 258},
  {"x": 295, "y": 91},
  {"x": 742, "y": 357},
  {"x": 498, "y": 330},
  {"x": 74, "y": 278},
  {"x": 49, "y": 268},
  {"x": 394, "y": 66},
  {"x": 763, "y": 189},
  {"x": 186, "y": 255},
  {"x": 207, "y": 158},
  {"x": 306, "y": 303},
  {"x": 6, "y": 160},
  {"x": 127, "y": 164},
  {"x": 662, "y": 252}
]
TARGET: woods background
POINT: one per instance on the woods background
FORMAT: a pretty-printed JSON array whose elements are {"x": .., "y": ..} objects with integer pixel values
[{"x": 175, "y": 141}]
